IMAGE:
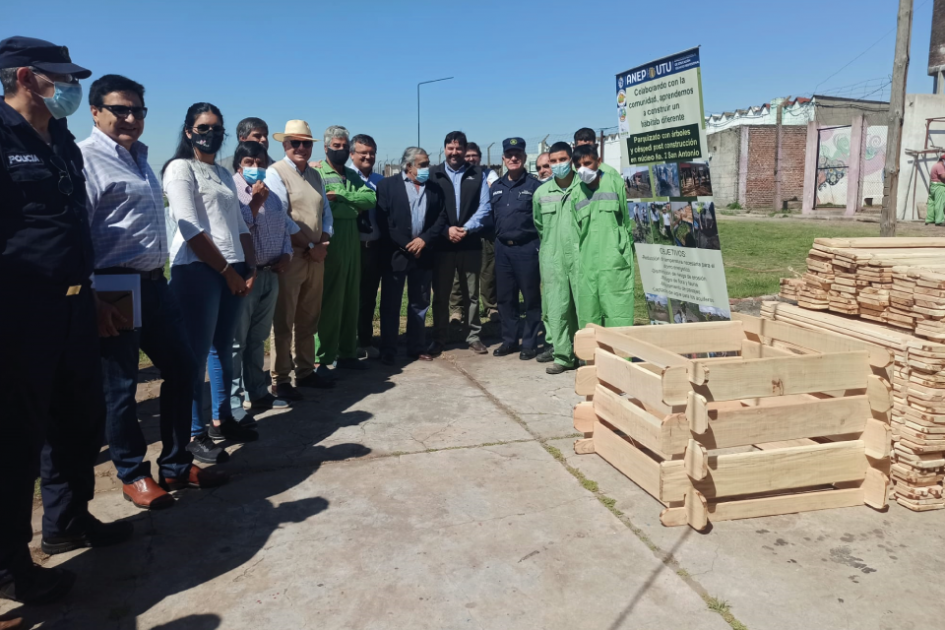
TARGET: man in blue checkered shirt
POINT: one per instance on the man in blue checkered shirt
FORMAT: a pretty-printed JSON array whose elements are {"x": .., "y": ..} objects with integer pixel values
[{"x": 126, "y": 215}]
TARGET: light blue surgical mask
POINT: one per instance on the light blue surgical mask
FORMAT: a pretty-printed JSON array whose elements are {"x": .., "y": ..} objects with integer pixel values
[
  {"x": 423, "y": 174},
  {"x": 65, "y": 100},
  {"x": 253, "y": 174},
  {"x": 561, "y": 169}
]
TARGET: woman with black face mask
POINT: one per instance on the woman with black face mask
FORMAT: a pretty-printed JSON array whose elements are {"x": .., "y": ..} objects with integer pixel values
[{"x": 212, "y": 268}]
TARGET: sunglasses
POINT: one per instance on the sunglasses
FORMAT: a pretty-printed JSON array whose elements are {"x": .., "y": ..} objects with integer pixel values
[
  {"x": 205, "y": 129},
  {"x": 301, "y": 143},
  {"x": 121, "y": 112},
  {"x": 65, "y": 180}
]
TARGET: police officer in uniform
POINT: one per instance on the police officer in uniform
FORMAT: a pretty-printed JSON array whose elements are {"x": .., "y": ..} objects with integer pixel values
[
  {"x": 516, "y": 253},
  {"x": 53, "y": 417}
]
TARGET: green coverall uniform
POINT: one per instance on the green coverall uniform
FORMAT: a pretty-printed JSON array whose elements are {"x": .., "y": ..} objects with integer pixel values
[
  {"x": 607, "y": 168},
  {"x": 559, "y": 264},
  {"x": 936, "y": 208},
  {"x": 605, "y": 291},
  {"x": 337, "y": 336}
]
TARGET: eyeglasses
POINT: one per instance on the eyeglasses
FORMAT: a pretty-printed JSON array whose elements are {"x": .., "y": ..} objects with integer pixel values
[
  {"x": 301, "y": 143},
  {"x": 121, "y": 111},
  {"x": 205, "y": 129},
  {"x": 65, "y": 180}
]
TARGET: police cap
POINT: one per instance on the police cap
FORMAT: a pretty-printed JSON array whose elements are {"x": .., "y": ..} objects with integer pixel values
[
  {"x": 17, "y": 52},
  {"x": 513, "y": 143}
]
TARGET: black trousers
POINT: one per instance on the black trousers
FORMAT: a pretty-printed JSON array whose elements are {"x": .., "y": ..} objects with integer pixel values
[
  {"x": 516, "y": 270},
  {"x": 53, "y": 417},
  {"x": 372, "y": 269}
]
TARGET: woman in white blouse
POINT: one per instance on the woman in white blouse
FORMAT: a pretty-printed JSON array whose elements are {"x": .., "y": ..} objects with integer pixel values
[{"x": 212, "y": 268}]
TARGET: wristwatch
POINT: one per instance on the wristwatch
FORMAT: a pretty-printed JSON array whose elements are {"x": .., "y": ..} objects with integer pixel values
[{"x": 310, "y": 246}]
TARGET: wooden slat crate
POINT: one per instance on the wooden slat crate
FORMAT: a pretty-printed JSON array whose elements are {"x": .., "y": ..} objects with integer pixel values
[{"x": 808, "y": 410}]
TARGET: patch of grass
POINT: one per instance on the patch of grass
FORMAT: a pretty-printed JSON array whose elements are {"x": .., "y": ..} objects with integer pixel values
[
  {"x": 722, "y": 608},
  {"x": 682, "y": 573},
  {"x": 734, "y": 206}
]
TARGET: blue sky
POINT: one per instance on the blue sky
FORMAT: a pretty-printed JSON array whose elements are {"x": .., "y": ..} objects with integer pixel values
[{"x": 520, "y": 68}]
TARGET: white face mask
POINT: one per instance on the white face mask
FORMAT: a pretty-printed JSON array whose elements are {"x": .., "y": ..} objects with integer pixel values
[{"x": 587, "y": 175}]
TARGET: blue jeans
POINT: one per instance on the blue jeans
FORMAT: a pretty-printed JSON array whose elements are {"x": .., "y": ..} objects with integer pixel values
[
  {"x": 210, "y": 313},
  {"x": 418, "y": 302},
  {"x": 162, "y": 338},
  {"x": 252, "y": 330}
]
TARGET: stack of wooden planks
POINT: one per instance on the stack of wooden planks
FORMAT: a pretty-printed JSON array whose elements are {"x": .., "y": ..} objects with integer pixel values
[
  {"x": 790, "y": 287},
  {"x": 804, "y": 423},
  {"x": 878, "y": 279},
  {"x": 917, "y": 416}
]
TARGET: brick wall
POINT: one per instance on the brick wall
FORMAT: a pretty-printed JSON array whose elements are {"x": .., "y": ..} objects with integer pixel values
[{"x": 760, "y": 177}]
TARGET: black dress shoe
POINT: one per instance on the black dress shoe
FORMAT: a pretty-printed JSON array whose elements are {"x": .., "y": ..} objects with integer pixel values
[
  {"x": 504, "y": 350},
  {"x": 285, "y": 391},
  {"x": 96, "y": 534},
  {"x": 230, "y": 430},
  {"x": 205, "y": 451},
  {"x": 478, "y": 347},
  {"x": 38, "y": 585},
  {"x": 547, "y": 355},
  {"x": 528, "y": 354},
  {"x": 436, "y": 349},
  {"x": 314, "y": 381}
]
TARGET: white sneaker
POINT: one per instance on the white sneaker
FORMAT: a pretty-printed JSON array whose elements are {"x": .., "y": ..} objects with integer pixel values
[{"x": 370, "y": 352}]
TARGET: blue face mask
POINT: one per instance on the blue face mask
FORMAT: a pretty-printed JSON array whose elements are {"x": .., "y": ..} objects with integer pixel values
[
  {"x": 423, "y": 174},
  {"x": 561, "y": 169},
  {"x": 253, "y": 174},
  {"x": 65, "y": 100}
]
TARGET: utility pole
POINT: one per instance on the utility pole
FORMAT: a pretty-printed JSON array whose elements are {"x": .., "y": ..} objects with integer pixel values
[
  {"x": 601, "y": 145},
  {"x": 777, "y": 158},
  {"x": 897, "y": 102},
  {"x": 489, "y": 155}
]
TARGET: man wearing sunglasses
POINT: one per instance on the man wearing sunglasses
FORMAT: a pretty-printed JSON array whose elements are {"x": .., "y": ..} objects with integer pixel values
[
  {"x": 50, "y": 376},
  {"x": 126, "y": 210}
]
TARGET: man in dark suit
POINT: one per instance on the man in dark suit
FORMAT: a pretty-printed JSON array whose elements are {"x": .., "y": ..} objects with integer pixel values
[
  {"x": 468, "y": 216},
  {"x": 412, "y": 219}
]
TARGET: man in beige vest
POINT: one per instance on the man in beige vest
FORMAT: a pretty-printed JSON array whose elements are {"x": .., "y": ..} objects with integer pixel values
[{"x": 299, "y": 304}]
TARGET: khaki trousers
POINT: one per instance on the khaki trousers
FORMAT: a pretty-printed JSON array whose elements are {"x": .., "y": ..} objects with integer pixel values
[{"x": 295, "y": 322}]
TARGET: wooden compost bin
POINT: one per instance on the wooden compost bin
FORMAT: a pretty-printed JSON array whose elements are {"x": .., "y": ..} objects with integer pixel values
[{"x": 809, "y": 409}]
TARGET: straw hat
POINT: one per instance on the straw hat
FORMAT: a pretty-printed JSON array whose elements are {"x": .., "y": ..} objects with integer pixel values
[{"x": 295, "y": 130}]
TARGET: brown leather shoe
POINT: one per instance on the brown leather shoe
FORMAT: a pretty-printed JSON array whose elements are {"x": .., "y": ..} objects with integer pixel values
[
  {"x": 10, "y": 624},
  {"x": 478, "y": 347},
  {"x": 197, "y": 478},
  {"x": 146, "y": 494}
]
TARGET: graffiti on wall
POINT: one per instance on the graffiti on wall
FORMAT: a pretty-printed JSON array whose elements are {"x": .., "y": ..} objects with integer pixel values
[{"x": 834, "y": 161}]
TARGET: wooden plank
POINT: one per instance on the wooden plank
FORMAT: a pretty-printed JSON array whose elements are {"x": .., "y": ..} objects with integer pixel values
[
  {"x": 697, "y": 413},
  {"x": 875, "y": 489},
  {"x": 630, "y": 419},
  {"x": 771, "y": 446},
  {"x": 584, "y": 416},
  {"x": 879, "y": 393},
  {"x": 584, "y": 446},
  {"x": 628, "y": 459},
  {"x": 697, "y": 510},
  {"x": 634, "y": 380},
  {"x": 787, "y": 420},
  {"x": 694, "y": 338},
  {"x": 877, "y": 439},
  {"x": 632, "y": 345},
  {"x": 696, "y": 460},
  {"x": 759, "y": 378},
  {"x": 881, "y": 242},
  {"x": 768, "y": 471},
  {"x": 585, "y": 380},
  {"x": 674, "y": 517},
  {"x": 756, "y": 350},
  {"x": 585, "y": 343},
  {"x": 820, "y": 341},
  {"x": 785, "y": 504}
]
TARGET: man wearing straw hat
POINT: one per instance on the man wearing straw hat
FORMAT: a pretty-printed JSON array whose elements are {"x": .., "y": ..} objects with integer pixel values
[{"x": 299, "y": 304}]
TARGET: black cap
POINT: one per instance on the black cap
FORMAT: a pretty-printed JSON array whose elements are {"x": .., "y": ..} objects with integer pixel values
[
  {"x": 16, "y": 52},
  {"x": 513, "y": 143}
]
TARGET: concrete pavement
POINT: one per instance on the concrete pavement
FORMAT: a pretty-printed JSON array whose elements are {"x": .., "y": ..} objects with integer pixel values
[{"x": 428, "y": 496}]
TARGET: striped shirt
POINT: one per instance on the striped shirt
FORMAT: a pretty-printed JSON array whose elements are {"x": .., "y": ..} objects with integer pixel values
[
  {"x": 271, "y": 227},
  {"x": 126, "y": 206}
]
